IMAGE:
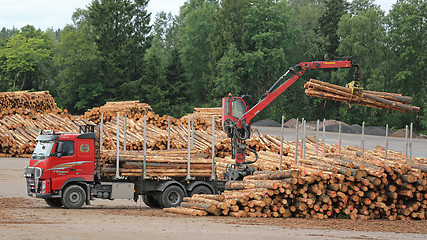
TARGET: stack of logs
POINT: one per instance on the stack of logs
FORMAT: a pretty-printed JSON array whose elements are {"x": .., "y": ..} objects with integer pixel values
[
  {"x": 389, "y": 192},
  {"x": 373, "y": 99},
  {"x": 132, "y": 109},
  {"x": 203, "y": 118},
  {"x": 135, "y": 111},
  {"x": 17, "y": 134},
  {"x": 29, "y": 104},
  {"x": 22, "y": 116},
  {"x": 159, "y": 164},
  {"x": 156, "y": 136}
]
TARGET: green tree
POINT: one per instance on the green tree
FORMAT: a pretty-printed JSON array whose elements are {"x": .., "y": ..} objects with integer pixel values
[
  {"x": 177, "y": 86},
  {"x": 121, "y": 28},
  {"x": 408, "y": 41},
  {"x": 196, "y": 24},
  {"x": 23, "y": 58},
  {"x": 5, "y": 34},
  {"x": 150, "y": 87},
  {"x": 228, "y": 44},
  {"x": 268, "y": 33},
  {"x": 78, "y": 62},
  {"x": 363, "y": 36},
  {"x": 309, "y": 43},
  {"x": 328, "y": 23}
]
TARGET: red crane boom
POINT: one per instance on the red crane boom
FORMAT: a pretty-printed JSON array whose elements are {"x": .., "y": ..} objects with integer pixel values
[{"x": 236, "y": 117}]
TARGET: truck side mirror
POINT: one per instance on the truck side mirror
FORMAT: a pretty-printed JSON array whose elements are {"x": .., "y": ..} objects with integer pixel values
[{"x": 59, "y": 149}]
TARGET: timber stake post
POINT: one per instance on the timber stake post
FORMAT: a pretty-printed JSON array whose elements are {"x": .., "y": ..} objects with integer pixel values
[
  {"x": 145, "y": 147},
  {"x": 339, "y": 139},
  {"x": 101, "y": 131},
  {"x": 169, "y": 132},
  {"x": 189, "y": 148},
  {"x": 213, "y": 176},
  {"x": 118, "y": 147},
  {"x": 124, "y": 138},
  {"x": 281, "y": 144},
  {"x": 410, "y": 145},
  {"x": 192, "y": 132}
]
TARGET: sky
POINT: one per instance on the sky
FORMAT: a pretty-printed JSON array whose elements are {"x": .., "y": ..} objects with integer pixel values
[{"x": 56, "y": 14}]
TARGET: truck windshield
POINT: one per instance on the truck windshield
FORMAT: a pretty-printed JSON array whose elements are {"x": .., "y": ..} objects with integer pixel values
[
  {"x": 237, "y": 108},
  {"x": 43, "y": 149}
]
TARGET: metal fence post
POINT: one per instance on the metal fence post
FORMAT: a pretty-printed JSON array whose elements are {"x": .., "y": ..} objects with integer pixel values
[
  {"x": 302, "y": 135},
  {"x": 386, "y": 140},
  {"x": 296, "y": 143},
  {"x": 323, "y": 140},
  {"x": 304, "y": 144},
  {"x": 317, "y": 137},
  {"x": 406, "y": 143},
  {"x": 363, "y": 138}
]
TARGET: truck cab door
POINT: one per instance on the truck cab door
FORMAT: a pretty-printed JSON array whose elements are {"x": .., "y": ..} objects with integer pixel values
[{"x": 63, "y": 163}]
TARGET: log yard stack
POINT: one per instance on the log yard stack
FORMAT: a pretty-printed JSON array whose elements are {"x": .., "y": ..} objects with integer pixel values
[{"x": 339, "y": 183}]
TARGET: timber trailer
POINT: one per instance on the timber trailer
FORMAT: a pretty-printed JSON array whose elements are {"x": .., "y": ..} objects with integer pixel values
[{"x": 65, "y": 170}]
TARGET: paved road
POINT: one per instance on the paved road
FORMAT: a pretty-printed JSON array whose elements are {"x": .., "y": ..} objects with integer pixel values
[{"x": 397, "y": 144}]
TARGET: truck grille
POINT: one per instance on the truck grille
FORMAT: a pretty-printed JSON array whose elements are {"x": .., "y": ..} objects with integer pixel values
[{"x": 33, "y": 174}]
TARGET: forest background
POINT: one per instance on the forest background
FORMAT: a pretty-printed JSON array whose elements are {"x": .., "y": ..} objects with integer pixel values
[{"x": 112, "y": 52}]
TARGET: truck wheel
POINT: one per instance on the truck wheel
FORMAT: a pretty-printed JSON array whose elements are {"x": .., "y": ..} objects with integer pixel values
[
  {"x": 150, "y": 201},
  {"x": 53, "y": 202},
  {"x": 171, "y": 197},
  {"x": 74, "y": 197},
  {"x": 201, "y": 190}
]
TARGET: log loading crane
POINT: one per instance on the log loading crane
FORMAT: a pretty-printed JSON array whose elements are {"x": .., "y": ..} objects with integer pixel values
[{"x": 236, "y": 117}]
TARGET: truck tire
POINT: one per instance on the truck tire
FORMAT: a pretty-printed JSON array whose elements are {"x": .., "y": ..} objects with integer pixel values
[
  {"x": 53, "y": 202},
  {"x": 74, "y": 196},
  {"x": 171, "y": 197},
  {"x": 201, "y": 189},
  {"x": 150, "y": 201}
]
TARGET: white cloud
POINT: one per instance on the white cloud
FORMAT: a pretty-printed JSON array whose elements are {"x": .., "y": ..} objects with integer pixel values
[{"x": 42, "y": 14}]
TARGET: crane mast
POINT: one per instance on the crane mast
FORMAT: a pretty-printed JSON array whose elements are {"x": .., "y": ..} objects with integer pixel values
[{"x": 236, "y": 116}]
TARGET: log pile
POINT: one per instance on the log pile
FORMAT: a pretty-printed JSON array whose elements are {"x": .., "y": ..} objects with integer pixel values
[
  {"x": 391, "y": 192},
  {"x": 361, "y": 97},
  {"x": 132, "y": 109},
  {"x": 17, "y": 134},
  {"x": 159, "y": 164},
  {"x": 156, "y": 136},
  {"x": 29, "y": 104},
  {"x": 203, "y": 118}
]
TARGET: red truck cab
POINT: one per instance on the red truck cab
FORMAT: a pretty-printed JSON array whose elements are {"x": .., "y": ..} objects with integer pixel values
[{"x": 60, "y": 159}]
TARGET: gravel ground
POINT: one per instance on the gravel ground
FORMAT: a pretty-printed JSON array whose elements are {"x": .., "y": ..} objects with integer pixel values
[{"x": 22, "y": 217}]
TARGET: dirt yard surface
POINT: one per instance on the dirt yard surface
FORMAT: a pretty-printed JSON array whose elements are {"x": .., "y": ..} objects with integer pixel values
[{"x": 22, "y": 217}]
